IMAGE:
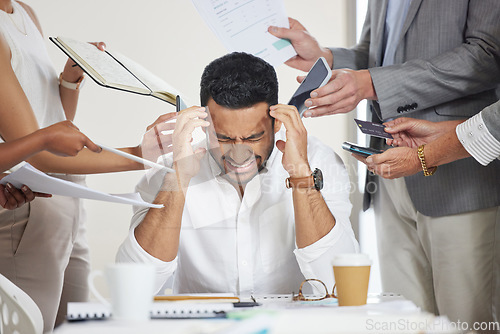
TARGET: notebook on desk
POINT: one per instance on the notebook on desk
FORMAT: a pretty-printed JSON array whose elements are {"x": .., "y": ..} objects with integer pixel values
[{"x": 159, "y": 310}]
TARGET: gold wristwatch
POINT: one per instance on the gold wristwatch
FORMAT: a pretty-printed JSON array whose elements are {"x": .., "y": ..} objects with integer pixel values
[{"x": 421, "y": 157}]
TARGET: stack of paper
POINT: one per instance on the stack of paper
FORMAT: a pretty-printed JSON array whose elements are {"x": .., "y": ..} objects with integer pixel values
[{"x": 41, "y": 182}]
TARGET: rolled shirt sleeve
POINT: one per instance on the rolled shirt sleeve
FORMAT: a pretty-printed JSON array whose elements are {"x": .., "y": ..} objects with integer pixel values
[
  {"x": 130, "y": 250},
  {"x": 315, "y": 260}
]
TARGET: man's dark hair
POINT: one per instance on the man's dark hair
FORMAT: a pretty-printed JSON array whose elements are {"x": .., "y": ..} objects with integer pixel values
[{"x": 239, "y": 80}]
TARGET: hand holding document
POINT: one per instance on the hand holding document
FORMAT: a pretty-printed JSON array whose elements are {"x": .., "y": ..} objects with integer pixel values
[
  {"x": 242, "y": 26},
  {"x": 114, "y": 70},
  {"x": 137, "y": 159},
  {"x": 41, "y": 182}
]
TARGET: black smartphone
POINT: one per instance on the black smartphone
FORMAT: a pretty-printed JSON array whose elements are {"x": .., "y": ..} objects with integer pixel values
[
  {"x": 318, "y": 76},
  {"x": 360, "y": 150}
]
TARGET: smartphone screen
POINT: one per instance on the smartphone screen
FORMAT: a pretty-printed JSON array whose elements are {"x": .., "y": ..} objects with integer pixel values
[{"x": 317, "y": 77}]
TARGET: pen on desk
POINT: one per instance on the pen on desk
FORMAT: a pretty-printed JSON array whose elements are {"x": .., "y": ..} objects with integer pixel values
[
  {"x": 137, "y": 159},
  {"x": 231, "y": 299}
]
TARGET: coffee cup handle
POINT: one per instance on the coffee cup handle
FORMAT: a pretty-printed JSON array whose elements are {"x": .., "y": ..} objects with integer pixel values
[{"x": 93, "y": 289}]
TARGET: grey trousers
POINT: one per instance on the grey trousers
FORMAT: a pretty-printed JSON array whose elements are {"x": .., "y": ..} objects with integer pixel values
[
  {"x": 43, "y": 250},
  {"x": 446, "y": 265}
]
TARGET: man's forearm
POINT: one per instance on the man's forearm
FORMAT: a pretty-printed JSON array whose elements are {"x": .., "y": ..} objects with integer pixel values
[
  {"x": 158, "y": 234},
  {"x": 313, "y": 219},
  {"x": 445, "y": 149}
]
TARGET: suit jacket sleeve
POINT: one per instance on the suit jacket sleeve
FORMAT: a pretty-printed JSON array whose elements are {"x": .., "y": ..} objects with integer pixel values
[
  {"x": 491, "y": 117},
  {"x": 357, "y": 56},
  {"x": 470, "y": 68}
]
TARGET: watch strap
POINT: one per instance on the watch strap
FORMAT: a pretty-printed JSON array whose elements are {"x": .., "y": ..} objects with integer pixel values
[
  {"x": 71, "y": 85},
  {"x": 300, "y": 182}
]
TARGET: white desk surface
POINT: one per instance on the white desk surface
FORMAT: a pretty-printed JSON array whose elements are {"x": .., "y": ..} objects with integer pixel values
[{"x": 279, "y": 315}]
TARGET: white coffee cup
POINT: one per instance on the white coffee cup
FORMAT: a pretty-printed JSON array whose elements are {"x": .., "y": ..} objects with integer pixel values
[{"x": 131, "y": 288}]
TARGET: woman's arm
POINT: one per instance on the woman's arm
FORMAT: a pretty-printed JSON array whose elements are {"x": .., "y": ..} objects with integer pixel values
[
  {"x": 18, "y": 120},
  {"x": 71, "y": 74},
  {"x": 63, "y": 139}
]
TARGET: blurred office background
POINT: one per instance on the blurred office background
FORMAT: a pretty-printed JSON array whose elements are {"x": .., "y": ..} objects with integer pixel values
[{"x": 170, "y": 39}]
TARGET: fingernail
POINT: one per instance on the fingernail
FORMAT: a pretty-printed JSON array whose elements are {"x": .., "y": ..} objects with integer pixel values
[
  {"x": 369, "y": 160},
  {"x": 307, "y": 114},
  {"x": 388, "y": 128},
  {"x": 314, "y": 94},
  {"x": 308, "y": 103},
  {"x": 273, "y": 29},
  {"x": 10, "y": 186},
  {"x": 201, "y": 109},
  {"x": 24, "y": 189}
]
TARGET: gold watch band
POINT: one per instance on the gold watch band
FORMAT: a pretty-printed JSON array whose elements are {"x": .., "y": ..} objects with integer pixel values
[{"x": 421, "y": 157}]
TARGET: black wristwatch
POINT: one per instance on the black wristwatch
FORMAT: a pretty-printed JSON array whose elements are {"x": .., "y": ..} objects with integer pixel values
[{"x": 314, "y": 181}]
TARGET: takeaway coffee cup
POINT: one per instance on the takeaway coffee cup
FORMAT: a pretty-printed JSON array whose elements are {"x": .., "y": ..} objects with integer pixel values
[
  {"x": 131, "y": 288},
  {"x": 352, "y": 274}
]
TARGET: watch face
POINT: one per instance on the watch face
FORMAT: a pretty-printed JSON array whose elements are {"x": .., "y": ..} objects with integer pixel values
[{"x": 318, "y": 179}]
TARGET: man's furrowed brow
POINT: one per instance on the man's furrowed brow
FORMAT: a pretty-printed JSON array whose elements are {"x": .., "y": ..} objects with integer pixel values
[
  {"x": 223, "y": 137},
  {"x": 254, "y": 136}
]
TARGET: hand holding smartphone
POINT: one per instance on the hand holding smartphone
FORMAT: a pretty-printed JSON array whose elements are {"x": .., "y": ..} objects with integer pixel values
[
  {"x": 363, "y": 151},
  {"x": 318, "y": 76}
]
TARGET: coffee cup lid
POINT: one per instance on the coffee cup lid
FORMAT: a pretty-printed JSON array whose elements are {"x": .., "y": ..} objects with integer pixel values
[{"x": 351, "y": 259}]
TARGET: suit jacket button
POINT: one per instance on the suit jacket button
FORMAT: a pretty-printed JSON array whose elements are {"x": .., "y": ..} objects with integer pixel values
[
  {"x": 400, "y": 110},
  {"x": 414, "y": 106},
  {"x": 407, "y": 107}
]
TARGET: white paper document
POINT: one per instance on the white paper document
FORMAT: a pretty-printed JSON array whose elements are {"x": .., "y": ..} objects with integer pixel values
[
  {"x": 241, "y": 25},
  {"x": 41, "y": 182}
]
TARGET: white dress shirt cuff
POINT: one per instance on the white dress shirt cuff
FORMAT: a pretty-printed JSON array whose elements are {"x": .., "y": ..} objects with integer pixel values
[
  {"x": 477, "y": 140},
  {"x": 314, "y": 251},
  {"x": 131, "y": 251}
]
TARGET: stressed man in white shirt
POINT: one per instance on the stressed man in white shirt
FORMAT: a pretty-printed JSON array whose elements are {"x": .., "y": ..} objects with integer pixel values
[{"x": 255, "y": 208}]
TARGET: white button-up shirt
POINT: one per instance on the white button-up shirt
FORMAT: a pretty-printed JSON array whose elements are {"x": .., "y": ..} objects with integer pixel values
[{"x": 247, "y": 245}]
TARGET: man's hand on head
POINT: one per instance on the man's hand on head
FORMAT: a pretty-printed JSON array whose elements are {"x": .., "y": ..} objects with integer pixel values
[
  {"x": 294, "y": 149},
  {"x": 187, "y": 160}
]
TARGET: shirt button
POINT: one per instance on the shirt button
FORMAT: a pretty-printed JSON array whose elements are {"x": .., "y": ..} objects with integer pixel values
[
  {"x": 471, "y": 134},
  {"x": 463, "y": 141},
  {"x": 480, "y": 126}
]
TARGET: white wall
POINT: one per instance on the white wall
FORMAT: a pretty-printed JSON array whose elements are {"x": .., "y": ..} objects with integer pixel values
[{"x": 169, "y": 38}]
